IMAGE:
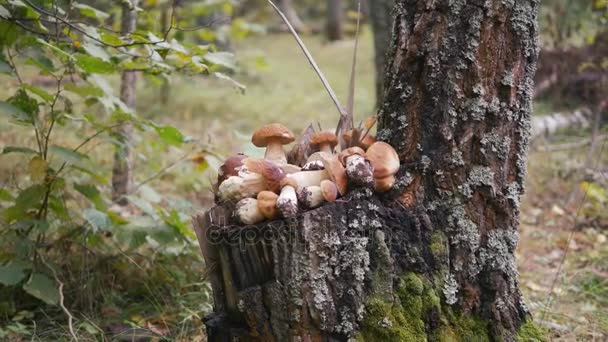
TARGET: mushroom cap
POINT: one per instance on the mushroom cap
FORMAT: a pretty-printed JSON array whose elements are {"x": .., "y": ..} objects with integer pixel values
[
  {"x": 230, "y": 167},
  {"x": 324, "y": 138},
  {"x": 336, "y": 171},
  {"x": 349, "y": 152},
  {"x": 267, "y": 203},
  {"x": 329, "y": 190},
  {"x": 384, "y": 159},
  {"x": 272, "y": 173},
  {"x": 276, "y": 132}
]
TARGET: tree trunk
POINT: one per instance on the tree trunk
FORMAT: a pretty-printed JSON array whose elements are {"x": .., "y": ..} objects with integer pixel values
[
  {"x": 287, "y": 8},
  {"x": 433, "y": 259},
  {"x": 165, "y": 18},
  {"x": 122, "y": 173},
  {"x": 334, "y": 20},
  {"x": 382, "y": 25}
]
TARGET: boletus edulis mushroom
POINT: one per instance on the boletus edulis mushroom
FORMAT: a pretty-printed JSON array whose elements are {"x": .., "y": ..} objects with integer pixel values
[
  {"x": 385, "y": 161},
  {"x": 273, "y": 137}
]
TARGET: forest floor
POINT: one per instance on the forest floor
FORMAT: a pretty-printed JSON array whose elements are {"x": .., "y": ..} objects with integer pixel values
[{"x": 281, "y": 87}]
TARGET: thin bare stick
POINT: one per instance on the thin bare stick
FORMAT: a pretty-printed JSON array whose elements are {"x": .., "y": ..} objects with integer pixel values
[
  {"x": 61, "y": 299},
  {"x": 350, "y": 103},
  {"x": 311, "y": 60},
  {"x": 346, "y": 122}
]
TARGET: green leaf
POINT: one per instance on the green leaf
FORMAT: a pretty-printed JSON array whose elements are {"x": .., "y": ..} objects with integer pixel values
[
  {"x": 6, "y": 196},
  {"x": 84, "y": 90},
  {"x": 10, "y": 33},
  {"x": 225, "y": 59},
  {"x": 174, "y": 220},
  {"x": 53, "y": 47},
  {"x": 94, "y": 65},
  {"x": 18, "y": 149},
  {"x": 4, "y": 13},
  {"x": 43, "y": 288},
  {"x": 30, "y": 197},
  {"x": 43, "y": 63},
  {"x": 96, "y": 51},
  {"x": 98, "y": 220},
  {"x": 39, "y": 91},
  {"x": 225, "y": 77},
  {"x": 67, "y": 155},
  {"x": 13, "y": 111},
  {"x": 37, "y": 168},
  {"x": 90, "y": 191},
  {"x": 21, "y": 107},
  {"x": 91, "y": 12},
  {"x": 111, "y": 39},
  {"x": 143, "y": 205},
  {"x": 11, "y": 274},
  {"x": 170, "y": 135}
]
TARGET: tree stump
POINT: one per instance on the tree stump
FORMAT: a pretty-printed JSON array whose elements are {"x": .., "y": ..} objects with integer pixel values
[{"x": 310, "y": 277}]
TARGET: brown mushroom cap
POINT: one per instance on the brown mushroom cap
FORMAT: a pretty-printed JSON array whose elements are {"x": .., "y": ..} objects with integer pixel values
[
  {"x": 336, "y": 171},
  {"x": 329, "y": 190},
  {"x": 230, "y": 167},
  {"x": 324, "y": 138},
  {"x": 384, "y": 158},
  {"x": 267, "y": 203},
  {"x": 277, "y": 132},
  {"x": 272, "y": 173},
  {"x": 349, "y": 152}
]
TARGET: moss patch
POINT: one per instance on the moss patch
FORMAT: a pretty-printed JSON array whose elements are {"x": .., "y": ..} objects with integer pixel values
[
  {"x": 530, "y": 332},
  {"x": 456, "y": 327},
  {"x": 406, "y": 318},
  {"x": 403, "y": 320}
]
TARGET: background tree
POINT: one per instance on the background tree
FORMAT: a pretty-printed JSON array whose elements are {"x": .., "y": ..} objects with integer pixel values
[
  {"x": 334, "y": 19},
  {"x": 382, "y": 24},
  {"x": 122, "y": 173},
  {"x": 434, "y": 258},
  {"x": 290, "y": 12}
]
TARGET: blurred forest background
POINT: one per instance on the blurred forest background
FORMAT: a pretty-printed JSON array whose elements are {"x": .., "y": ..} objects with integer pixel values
[{"x": 115, "y": 115}]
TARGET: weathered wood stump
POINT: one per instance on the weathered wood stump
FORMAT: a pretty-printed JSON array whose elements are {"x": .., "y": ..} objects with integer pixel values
[{"x": 308, "y": 277}]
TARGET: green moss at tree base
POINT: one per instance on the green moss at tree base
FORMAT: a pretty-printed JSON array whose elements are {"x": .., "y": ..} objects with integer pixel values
[
  {"x": 530, "y": 332},
  {"x": 405, "y": 318}
]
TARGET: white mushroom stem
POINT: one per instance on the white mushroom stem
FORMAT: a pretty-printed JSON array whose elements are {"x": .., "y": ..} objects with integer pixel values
[
  {"x": 246, "y": 211},
  {"x": 289, "y": 168},
  {"x": 253, "y": 183},
  {"x": 309, "y": 178},
  {"x": 274, "y": 152},
  {"x": 310, "y": 197},
  {"x": 287, "y": 203},
  {"x": 326, "y": 147},
  {"x": 359, "y": 170}
]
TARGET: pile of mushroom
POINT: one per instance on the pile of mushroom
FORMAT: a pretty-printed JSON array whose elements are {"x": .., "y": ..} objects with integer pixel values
[{"x": 269, "y": 188}]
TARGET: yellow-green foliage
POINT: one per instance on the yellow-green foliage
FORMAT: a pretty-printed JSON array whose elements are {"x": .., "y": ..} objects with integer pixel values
[{"x": 530, "y": 332}]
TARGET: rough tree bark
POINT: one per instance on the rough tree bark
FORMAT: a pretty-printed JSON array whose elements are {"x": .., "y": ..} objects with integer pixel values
[
  {"x": 334, "y": 20},
  {"x": 433, "y": 259},
  {"x": 122, "y": 172},
  {"x": 382, "y": 25}
]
